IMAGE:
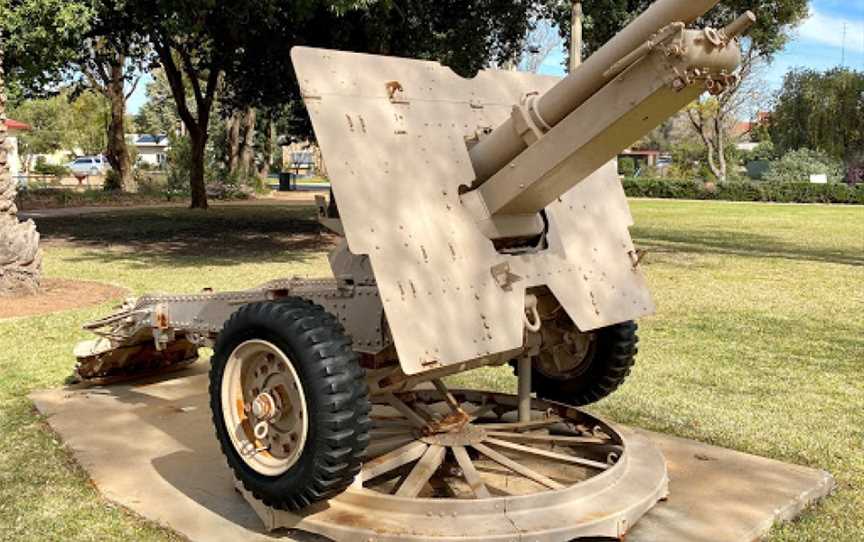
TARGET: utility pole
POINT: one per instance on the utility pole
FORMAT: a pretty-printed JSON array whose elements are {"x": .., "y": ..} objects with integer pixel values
[
  {"x": 576, "y": 36},
  {"x": 843, "y": 55}
]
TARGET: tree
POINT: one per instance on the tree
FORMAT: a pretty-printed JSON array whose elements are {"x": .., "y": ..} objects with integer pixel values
[
  {"x": 106, "y": 68},
  {"x": 246, "y": 46},
  {"x": 240, "y": 143},
  {"x": 158, "y": 115},
  {"x": 605, "y": 18},
  {"x": 65, "y": 121},
  {"x": 43, "y": 33},
  {"x": 48, "y": 134},
  {"x": 87, "y": 120},
  {"x": 821, "y": 111},
  {"x": 56, "y": 41}
]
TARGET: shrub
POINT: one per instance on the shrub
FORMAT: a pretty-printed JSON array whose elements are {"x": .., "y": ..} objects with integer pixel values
[
  {"x": 44, "y": 168},
  {"x": 150, "y": 184},
  {"x": 113, "y": 182},
  {"x": 179, "y": 161},
  {"x": 763, "y": 152},
  {"x": 775, "y": 191},
  {"x": 663, "y": 188},
  {"x": 627, "y": 166},
  {"x": 799, "y": 165},
  {"x": 228, "y": 191}
]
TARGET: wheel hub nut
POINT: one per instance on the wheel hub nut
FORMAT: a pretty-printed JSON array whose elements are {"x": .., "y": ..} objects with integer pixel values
[{"x": 263, "y": 406}]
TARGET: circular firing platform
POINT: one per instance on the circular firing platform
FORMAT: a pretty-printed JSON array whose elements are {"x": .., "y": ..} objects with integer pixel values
[{"x": 483, "y": 475}]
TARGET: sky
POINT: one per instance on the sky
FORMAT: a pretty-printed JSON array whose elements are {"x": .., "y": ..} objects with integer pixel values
[{"x": 818, "y": 44}]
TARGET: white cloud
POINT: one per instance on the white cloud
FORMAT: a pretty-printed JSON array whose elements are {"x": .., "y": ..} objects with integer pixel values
[{"x": 828, "y": 30}]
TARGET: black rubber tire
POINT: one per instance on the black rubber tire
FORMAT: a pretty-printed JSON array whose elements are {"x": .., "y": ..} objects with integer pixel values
[
  {"x": 613, "y": 357},
  {"x": 336, "y": 395}
]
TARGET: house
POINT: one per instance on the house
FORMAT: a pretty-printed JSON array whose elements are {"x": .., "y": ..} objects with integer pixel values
[
  {"x": 152, "y": 149},
  {"x": 13, "y": 129},
  {"x": 741, "y": 130}
]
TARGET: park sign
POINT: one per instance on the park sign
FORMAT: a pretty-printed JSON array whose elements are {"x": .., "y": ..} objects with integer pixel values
[{"x": 820, "y": 178}]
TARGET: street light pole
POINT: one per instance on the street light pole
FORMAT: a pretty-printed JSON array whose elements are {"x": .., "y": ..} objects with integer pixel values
[{"x": 576, "y": 36}]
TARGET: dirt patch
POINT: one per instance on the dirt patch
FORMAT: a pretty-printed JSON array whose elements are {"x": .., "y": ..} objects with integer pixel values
[{"x": 59, "y": 295}]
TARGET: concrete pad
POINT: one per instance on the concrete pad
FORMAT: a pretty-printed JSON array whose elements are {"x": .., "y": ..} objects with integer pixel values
[{"x": 149, "y": 446}]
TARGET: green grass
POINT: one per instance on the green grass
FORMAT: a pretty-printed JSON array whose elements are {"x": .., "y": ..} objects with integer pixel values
[{"x": 757, "y": 344}]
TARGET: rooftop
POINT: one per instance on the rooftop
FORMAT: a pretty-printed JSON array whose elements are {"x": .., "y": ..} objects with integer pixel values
[{"x": 12, "y": 124}]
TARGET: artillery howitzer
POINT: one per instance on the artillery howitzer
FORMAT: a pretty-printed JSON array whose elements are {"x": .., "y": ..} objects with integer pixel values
[{"x": 484, "y": 223}]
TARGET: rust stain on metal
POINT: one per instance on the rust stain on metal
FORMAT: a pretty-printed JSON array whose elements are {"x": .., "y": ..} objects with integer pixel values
[{"x": 393, "y": 87}]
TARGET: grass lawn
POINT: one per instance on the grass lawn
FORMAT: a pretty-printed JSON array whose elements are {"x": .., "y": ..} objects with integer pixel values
[{"x": 758, "y": 344}]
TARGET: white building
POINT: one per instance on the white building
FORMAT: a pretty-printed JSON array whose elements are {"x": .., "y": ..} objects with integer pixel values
[
  {"x": 14, "y": 128},
  {"x": 152, "y": 149}
]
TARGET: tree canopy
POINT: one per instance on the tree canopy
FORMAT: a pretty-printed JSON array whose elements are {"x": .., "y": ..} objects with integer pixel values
[
  {"x": 822, "y": 111},
  {"x": 63, "y": 122},
  {"x": 240, "y": 49},
  {"x": 605, "y": 18},
  {"x": 40, "y": 38}
]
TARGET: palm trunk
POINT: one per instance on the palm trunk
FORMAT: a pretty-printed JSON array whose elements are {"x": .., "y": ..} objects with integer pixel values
[
  {"x": 20, "y": 257},
  {"x": 118, "y": 152}
]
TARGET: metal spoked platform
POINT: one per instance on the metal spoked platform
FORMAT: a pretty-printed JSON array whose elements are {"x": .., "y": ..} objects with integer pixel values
[{"x": 461, "y": 466}]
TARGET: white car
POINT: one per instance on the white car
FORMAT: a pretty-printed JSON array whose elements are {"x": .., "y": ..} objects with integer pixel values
[{"x": 88, "y": 165}]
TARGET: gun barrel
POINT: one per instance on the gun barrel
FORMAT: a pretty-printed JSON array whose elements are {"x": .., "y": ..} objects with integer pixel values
[{"x": 497, "y": 149}]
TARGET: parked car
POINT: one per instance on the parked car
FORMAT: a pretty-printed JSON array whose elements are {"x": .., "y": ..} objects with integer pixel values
[
  {"x": 664, "y": 160},
  {"x": 88, "y": 165}
]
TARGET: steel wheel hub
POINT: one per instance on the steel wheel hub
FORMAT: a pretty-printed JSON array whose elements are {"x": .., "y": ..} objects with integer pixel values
[{"x": 264, "y": 407}]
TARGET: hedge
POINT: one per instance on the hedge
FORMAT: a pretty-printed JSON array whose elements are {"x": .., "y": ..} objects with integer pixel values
[{"x": 780, "y": 192}]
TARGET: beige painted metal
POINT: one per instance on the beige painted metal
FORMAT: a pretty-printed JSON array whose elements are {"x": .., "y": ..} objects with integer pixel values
[
  {"x": 503, "y": 145},
  {"x": 270, "y": 437},
  {"x": 393, "y": 132},
  {"x": 431, "y": 487},
  {"x": 658, "y": 84}
]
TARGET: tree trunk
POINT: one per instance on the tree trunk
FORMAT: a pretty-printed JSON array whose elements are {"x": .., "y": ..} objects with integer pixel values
[
  {"x": 118, "y": 152},
  {"x": 197, "y": 128},
  {"x": 247, "y": 150},
  {"x": 20, "y": 257},
  {"x": 196, "y": 180},
  {"x": 269, "y": 145},
  {"x": 700, "y": 125},
  {"x": 720, "y": 149},
  {"x": 233, "y": 130}
]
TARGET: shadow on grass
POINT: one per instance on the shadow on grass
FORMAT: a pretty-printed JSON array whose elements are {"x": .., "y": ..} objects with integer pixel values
[
  {"x": 285, "y": 234},
  {"x": 740, "y": 243},
  {"x": 179, "y": 237}
]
